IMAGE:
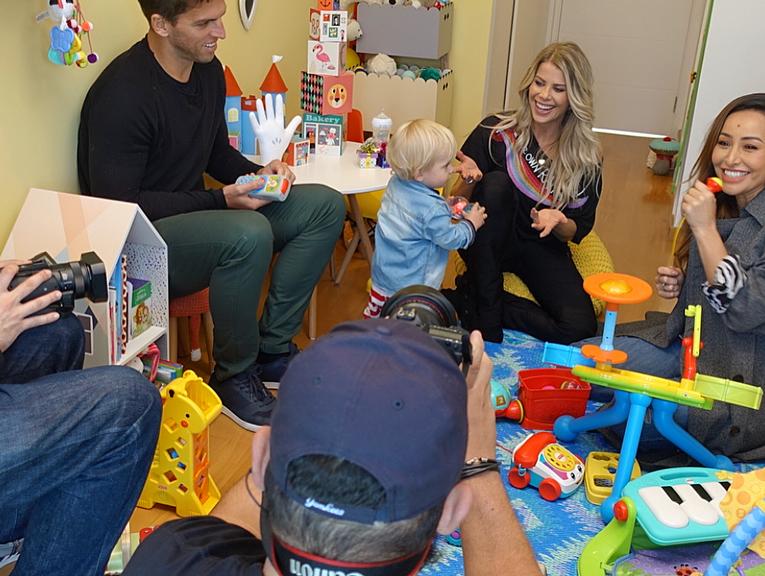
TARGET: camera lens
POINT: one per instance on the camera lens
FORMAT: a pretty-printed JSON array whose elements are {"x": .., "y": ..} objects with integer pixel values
[
  {"x": 95, "y": 286},
  {"x": 429, "y": 310},
  {"x": 421, "y": 304},
  {"x": 86, "y": 277}
]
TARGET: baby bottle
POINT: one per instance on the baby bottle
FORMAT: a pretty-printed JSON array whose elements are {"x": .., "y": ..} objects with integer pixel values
[{"x": 381, "y": 127}]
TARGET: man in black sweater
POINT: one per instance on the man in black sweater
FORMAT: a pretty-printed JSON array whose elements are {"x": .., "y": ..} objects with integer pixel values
[{"x": 151, "y": 125}]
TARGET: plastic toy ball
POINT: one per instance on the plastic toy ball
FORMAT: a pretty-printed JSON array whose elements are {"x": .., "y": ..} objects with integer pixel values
[
  {"x": 458, "y": 205},
  {"x": 714, "y": 184}
]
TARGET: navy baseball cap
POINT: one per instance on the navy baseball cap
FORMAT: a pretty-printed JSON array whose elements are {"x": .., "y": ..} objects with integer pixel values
[{"x": 385, "y": 396}]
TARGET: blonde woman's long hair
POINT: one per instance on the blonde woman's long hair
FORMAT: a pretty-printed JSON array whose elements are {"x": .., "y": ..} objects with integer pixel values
[{"x": 578, "y": 157}]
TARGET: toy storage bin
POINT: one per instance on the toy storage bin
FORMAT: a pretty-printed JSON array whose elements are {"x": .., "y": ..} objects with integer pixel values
[
  {"x": 547, "y": 393},
  {"x": 402, "y": 99},
  {"x": 404, "y": 30}
]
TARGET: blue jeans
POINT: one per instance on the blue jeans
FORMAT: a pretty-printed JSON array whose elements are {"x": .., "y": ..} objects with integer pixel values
[
  {"x": 649, "y": 359},
  {"x": 76, "y": 447}
]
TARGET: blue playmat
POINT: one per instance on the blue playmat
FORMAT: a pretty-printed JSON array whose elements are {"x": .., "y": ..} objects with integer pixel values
[{"x": 558, "y": 531}]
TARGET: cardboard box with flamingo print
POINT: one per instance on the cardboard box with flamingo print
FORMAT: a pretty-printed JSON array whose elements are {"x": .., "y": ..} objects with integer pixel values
[{"x": 326, "y": 58}]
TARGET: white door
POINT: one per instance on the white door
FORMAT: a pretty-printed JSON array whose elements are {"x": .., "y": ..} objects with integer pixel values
[{"x": 636, "y": 49}]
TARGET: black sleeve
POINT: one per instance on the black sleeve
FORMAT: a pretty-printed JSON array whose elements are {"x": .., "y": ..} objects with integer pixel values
[
  {"x": 477, "y": 147},
  {"x": 117, "y": 132},
  {"x": 198, "y": 546},
  {"x": 584, "y": 216}
]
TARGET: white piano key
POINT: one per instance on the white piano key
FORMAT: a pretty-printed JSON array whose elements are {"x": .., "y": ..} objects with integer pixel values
[
  {"x": 663, "y": 508},
  {"x": 697, "y": 509},
  {"x": 717, "y": 492}
]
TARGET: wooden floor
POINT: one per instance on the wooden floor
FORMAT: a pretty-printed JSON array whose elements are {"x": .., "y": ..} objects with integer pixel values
[{"x": 634, "y": 219}]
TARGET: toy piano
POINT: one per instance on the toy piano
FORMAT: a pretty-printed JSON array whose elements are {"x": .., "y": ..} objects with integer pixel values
[
  {"x": 673, "y": 507},
  {"x": 680, "y": 505}
]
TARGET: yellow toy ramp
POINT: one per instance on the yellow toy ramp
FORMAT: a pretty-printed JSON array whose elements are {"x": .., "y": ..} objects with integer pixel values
[
  {"x": 179, "y": 474},
  {"x": 194, "y": 404}
]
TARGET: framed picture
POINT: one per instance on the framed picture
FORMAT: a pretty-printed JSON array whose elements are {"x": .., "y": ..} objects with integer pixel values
[{"x": 247, "y": 12}]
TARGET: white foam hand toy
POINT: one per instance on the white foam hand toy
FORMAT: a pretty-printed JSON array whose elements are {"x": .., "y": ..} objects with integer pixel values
[{"x": 268, "y": 125}]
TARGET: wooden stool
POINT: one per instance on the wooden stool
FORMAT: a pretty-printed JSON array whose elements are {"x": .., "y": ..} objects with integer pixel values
[{"x": 195, "y": 307}]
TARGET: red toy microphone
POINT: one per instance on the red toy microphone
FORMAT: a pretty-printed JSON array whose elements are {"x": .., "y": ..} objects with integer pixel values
[{"x": 714, "y": 184}]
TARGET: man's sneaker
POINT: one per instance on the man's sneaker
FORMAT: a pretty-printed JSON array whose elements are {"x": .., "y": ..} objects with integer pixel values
[
  {"x": 273, "y": 366},
  {"x": 245, "y": 400}
]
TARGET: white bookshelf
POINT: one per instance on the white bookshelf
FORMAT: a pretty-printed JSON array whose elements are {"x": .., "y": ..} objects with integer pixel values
[{"x": 67, "y": 225}]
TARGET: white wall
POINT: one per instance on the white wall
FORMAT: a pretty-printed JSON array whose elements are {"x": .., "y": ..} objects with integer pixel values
[
  {"x": 499, "y": 56},
  {"x": 731, "y": 67},
  {"x": 530, "y": 34}
]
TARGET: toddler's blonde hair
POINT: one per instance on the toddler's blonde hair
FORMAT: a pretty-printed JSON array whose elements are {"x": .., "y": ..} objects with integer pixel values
[{"x": 418, "y": 145}]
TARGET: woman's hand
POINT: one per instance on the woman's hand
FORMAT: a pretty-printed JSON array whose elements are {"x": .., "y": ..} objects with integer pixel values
[
  {"x": 699, "y": 208},
  {"x": 467, "y": 168},
  {"x": 669, "y": 281},
  {"x": 546, "y": 220},
  {"x": 482, "y": 424}
]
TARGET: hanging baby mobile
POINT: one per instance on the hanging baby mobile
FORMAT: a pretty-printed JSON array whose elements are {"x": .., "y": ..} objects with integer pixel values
[{"x": 68, "y": 34}]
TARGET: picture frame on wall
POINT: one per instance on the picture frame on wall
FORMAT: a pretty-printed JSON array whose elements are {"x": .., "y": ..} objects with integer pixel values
[{"x": 247, "y": 12}]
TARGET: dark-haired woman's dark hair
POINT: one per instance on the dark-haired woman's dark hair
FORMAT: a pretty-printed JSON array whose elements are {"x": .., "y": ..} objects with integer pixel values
[{"x": 703, "y": 169}]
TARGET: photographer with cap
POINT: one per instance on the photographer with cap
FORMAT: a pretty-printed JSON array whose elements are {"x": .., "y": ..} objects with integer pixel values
[
  {"x": 374, "y": 430},
  {"x": 76, "y": 444}
]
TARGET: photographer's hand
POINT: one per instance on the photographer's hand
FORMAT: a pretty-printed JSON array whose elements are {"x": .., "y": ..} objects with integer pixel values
[
  {"x": 493, "y": 541},
  {"x": 482, "y": 426},
  {"x": 15, "y": 316}
]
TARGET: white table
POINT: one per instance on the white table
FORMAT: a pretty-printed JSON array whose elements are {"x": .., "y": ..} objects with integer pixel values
[{"x": 344, "y": 175}]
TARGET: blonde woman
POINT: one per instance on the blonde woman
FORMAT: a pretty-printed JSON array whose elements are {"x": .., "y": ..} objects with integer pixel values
[{"x": 537, "y": 171}]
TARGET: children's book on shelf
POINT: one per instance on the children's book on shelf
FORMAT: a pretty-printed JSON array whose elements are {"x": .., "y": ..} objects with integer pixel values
[
  {"x": 140, "y": 305},
  {"x": 112, "y": 312}
]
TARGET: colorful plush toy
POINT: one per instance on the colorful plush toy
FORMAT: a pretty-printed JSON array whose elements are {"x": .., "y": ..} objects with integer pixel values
[
  {"x": 430, "y": 74},
  {"x": 66, "y": 36},
  {"x": 352, "y": 60}
]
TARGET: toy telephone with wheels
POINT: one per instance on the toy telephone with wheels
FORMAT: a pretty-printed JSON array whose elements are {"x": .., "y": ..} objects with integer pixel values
[{"x": 540, "y": 461}]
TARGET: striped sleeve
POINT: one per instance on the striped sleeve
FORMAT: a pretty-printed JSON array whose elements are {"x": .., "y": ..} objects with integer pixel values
[{"x": 729, "y": 278}]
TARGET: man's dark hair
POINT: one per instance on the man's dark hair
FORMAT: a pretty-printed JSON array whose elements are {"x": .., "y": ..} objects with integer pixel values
[
  {"x": 168, "y": 9},
  {"x": 330, "y": 479}
]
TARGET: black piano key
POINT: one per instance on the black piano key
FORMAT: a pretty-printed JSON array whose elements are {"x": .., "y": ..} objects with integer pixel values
[
  {"x": 725, "y": 484},
  {"x": 674, "y": 496},
  {"x": 699, "y": 489}
]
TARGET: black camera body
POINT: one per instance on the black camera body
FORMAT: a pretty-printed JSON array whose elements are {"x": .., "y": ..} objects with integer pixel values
[
  {"x": 78, "y": 279},
  {"x": 428, "y": 309}
]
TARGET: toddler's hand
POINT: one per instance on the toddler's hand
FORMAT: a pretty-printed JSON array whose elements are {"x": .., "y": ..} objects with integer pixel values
[
  {"x": 476, "y": 215},
  {"x": 669, "y": 281}
]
